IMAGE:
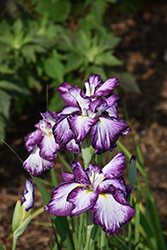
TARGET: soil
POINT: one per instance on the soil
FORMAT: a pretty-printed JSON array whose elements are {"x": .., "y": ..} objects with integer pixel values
[{"x": 143, "y": 49}]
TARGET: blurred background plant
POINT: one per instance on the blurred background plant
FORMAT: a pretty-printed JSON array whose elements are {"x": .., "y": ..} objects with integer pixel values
[{"x": 43, "y": 43}]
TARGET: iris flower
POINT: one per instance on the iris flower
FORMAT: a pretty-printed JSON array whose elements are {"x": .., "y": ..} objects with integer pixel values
[
  {"x": 103, "y": 191},
  {"x": 28, "y": 195},
  {"x": 41, "y": 145},
  {"x": 92, "y": 113}
]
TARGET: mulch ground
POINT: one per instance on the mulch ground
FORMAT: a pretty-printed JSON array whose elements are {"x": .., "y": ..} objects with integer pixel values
[{"x": 143, "y": 50}]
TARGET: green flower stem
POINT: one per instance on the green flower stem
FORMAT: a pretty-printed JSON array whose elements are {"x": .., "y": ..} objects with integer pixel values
[
  {"x": 86, "y": 155},
  {"x": 87, "y": 152},
  {"x": 37, "y": 212},
  {"x": 103, "y": 240},
  {"x": 14, "y": 243},
  {"x": 90, "y": 226},
  {"x": 81, "y": 224}
]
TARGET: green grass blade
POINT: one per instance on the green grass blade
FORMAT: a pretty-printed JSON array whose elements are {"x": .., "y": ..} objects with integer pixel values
[
  {"x": 54, "y": 178},
  {"x": 65, "y": 163},
  {"x": 137, "y": 220}
]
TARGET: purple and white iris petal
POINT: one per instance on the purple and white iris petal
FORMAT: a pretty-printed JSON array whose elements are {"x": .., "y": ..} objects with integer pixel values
[
  {"x": 112, "y": 111},
  {"x": 68, "y": 110},
  {"x": 110, "y": 185},
  {"x": 28, "y": 195},
  {"x": 73, "y": 146},
  {"x": 58, "y": 204},
  {"x": 48, "y": 147},
  {"x": 62, "y": 132},
  {"x": 98, "y": 105},
  {"x": 107, "y": 87},
  {"x": 115, "y": 167},
  {"x": 82, "y": 200},
  {"x": 63, "y": 89},
  {"x": 32, "y": 139},
  {"x": 110, "y": 214},
  {"x": 81, "y": 125},
  {"x": 78, "y": 94},
  {"x": 35, "y": 165},
  {"x": 67, "y": 176},
  {"x": 106, "y": 132},
  {"x": 111, "y": 100},
  {"x": 49, "y": 116},
  {"x": 79, "y": 174},
  {"x": 94, "y": 81}
]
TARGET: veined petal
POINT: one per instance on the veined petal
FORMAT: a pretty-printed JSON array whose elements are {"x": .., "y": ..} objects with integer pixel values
[
  {"x": 106, "y": 132},
  {"x": 73, "y": 146},
  {"x": 78, "y": 94},
  {"x": 111, "y": 100},
  {"x": 32, "y": 139},
  {"x": 63, "y": 89},
  {"x": 58, "y": 204},
  {"x": 67, "y": 176},
  {"x": 112, "y": 111},
  {"x": 81, "y": 125},
  {"x": 28, "y": 195},
  {"x": 94, "y": 81},
  {"x": 48, "y": 147},
  {"x": 107, "y": 87},
  {"x": 114, "y": 186},
  {"x": 49, "y": 116},
  {"x": 79, "y": 174},
  {"x": 67, "y": 110},
  {"x": 82, "y": 200},
  {"x": 115, "y": 167},
  {"x": 98, "y": 105},
  {"x": 110, "y": 214},
  {"x": 35, "y": 165},
  {"x": 62, "y": 132}
]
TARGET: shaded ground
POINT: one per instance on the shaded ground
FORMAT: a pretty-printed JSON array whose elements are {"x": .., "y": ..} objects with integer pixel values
[{"x": 143, "y": 50}]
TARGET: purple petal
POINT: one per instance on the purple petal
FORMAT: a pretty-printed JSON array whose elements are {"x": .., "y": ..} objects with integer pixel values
[
  {"x": 72, "y": 146},
  {"x": 35, "y": 165},
  {"x": 115, "y": 167},
  {"x": 62, "y": 132},
  {"x": 67, "y": 110},
  {"x": 32, "y": 139},
  {"x": 82, "y": 200},
  {"x": 107, "y": 87},
  {"x": 114, "y": 186},
  {"x": 79, "y": 174},
  {"x": 112, "y": 111},
  {"x": 81, "y": 125},
  {"x": 110, "y": 214},
  {"x": 58, "y": 204},
  {"x": 111, "y": 100},
  {"x": 98, "y": 105},
  {"x": 28, "y": 195},
  {"x": 106, "y": 132},
  {"x": 49, "y": 116},
  {"x": 94, "y": 81},
  {"x": 67, "y": 176},
  {"x": 78, "y": 94},
  {"x": 48, "y": 148},
  {"x": 66, "y": 96}
]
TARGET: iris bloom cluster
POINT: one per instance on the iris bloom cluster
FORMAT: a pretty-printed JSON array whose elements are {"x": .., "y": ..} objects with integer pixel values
[
  {"x": 90, "y": 114},
  {"x": 103, "y": 191}
]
